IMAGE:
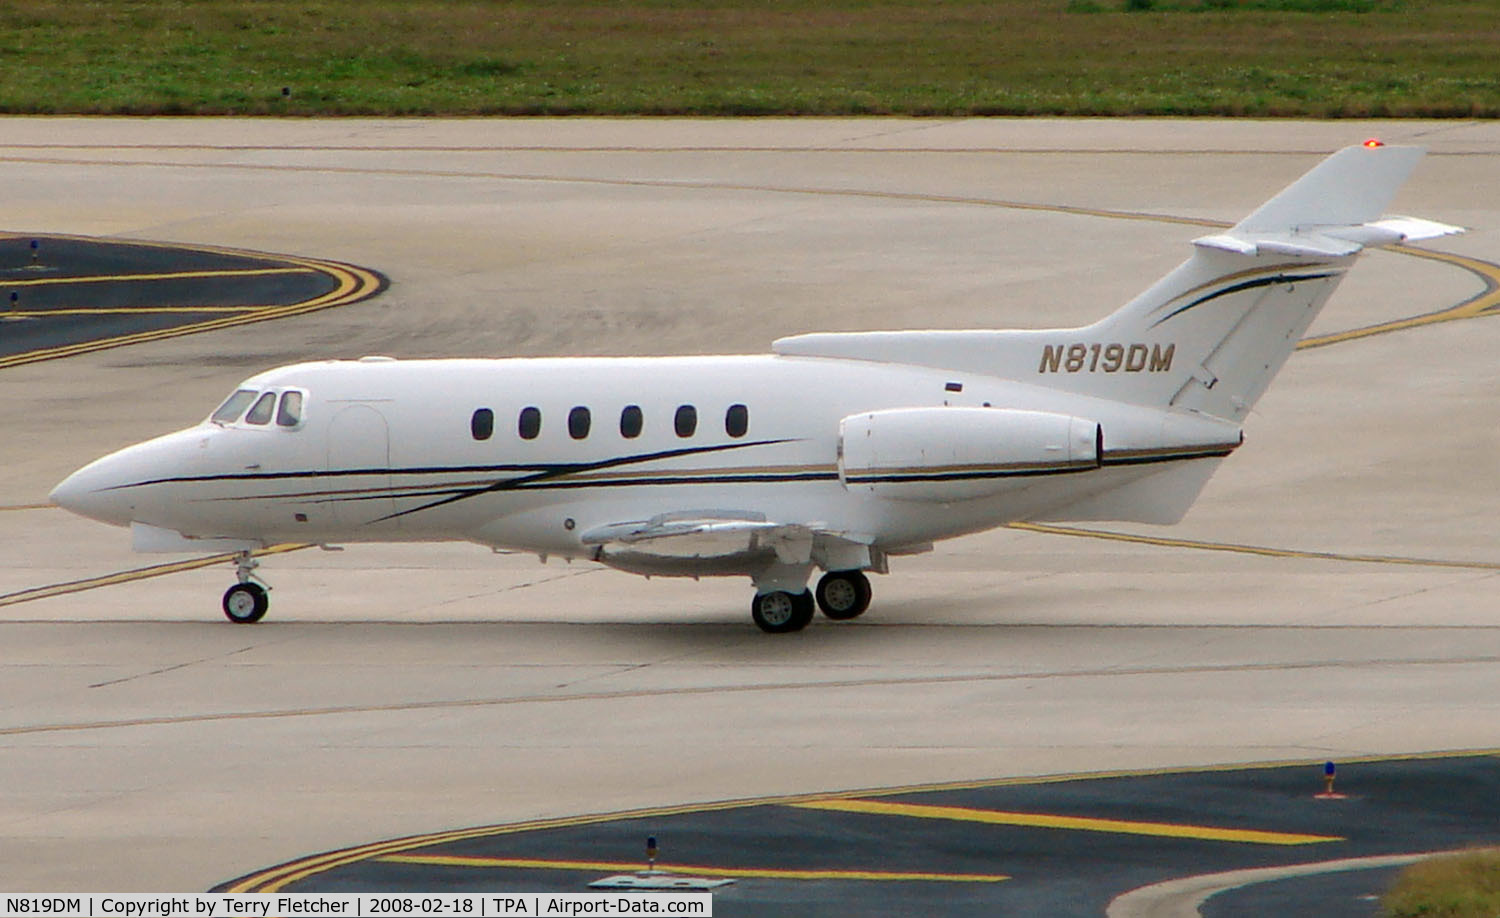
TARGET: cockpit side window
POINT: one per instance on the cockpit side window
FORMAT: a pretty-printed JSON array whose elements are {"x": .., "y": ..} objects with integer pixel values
[
  {"x": 290, "y": 412},
  {"x": 260, "y": 412},
  {"x": 233, "y": 407}
]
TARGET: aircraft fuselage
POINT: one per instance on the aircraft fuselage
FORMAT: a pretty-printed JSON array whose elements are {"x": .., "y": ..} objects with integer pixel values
[{"x": 435, "y": 450}]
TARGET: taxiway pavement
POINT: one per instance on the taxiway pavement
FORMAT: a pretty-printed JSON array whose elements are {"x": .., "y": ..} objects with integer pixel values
[
  {"x": 147, "y": 744},
  {"x": 1274, "y": 841}
]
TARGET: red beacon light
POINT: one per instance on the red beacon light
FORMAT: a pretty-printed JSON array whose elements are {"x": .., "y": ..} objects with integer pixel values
[{"x": 1372, "y": 143}]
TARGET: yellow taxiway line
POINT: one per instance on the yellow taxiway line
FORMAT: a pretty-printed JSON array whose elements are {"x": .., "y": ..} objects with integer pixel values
[
  {"x": 140, "y": 573},
  {"x": 124, "y": 311},
  {"x": 1072, "y": 823},
  {"x": 1262, "y": 550},
  {"x": 1482, "y": 304},
  {"x": 164, "y": 275},
  {"x": 357, "y": 283},
  {"x": 760, "y": 873},
  {"x": 351, "y": 284},
  {"x": 277, "y": 878}
]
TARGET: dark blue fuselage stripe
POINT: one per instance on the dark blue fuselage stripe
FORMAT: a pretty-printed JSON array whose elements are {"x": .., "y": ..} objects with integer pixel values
[
  {"x": 1246, "y": 285},
  {"x": 536, "y": 468}
]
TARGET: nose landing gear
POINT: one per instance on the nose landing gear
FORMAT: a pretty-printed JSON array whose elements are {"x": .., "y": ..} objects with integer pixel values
[{"x": 246, "y": 602}]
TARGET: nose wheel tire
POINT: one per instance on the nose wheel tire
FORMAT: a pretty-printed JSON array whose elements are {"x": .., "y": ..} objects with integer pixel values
[
  {"x": 245, "y": 603},
  {"x": 844, "y": 594},
  {"x": 780, "y": 612}
]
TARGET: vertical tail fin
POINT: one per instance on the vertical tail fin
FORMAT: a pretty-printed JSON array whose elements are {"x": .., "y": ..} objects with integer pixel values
[
  {"x": 1210, "y": 335},
  {"x": 1216, "y": 330}
]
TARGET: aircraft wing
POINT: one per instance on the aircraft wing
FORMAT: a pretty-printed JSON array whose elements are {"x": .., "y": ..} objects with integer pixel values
[{"x": 723, "y": 534}]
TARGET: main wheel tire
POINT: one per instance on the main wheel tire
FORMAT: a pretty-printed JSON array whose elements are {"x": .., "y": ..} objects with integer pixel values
[
  {"x": 844, "y": 594},
  {"x": 780, "y": 612},
  {"x": 245, "y": 603}
]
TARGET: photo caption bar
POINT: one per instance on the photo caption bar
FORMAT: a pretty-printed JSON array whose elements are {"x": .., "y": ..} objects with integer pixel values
[{"x": 353, "y": 905}]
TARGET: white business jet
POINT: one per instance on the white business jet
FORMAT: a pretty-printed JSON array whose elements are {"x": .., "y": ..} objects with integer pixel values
[{"x": 834, "y": 452}]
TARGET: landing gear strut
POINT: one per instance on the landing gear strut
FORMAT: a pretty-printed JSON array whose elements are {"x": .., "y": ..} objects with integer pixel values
[
  {"x": 246, "y": 601},
  {"x": 843, "y": 594},
  {"x": 780, "y": 612}
]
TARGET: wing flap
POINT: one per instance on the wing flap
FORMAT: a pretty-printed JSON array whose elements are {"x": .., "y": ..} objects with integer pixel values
[
  {"x": 706, "y": 535},
  {"x": 729, "y": 534}
]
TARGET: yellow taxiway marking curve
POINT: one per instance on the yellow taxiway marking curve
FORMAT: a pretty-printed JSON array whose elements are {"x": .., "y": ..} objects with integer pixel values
[
  {"x": 766, "y": 873},
  {"x": 1479, "y": 306},
  {"x": 165, "y": 275},
  {"x": 277, "y": 878},
  {"x": 1265, "y": 551},
  {"x": 1035, "y": 780},
  {"x": 124, "y": 311},
  {"x": 351, "y": 284},
  {"x": 1072, "y": 823},
  {"x": 140, "y": 573},
  {"x": 1262, "y": 550},
  {"x": 1485, "y": 303}
]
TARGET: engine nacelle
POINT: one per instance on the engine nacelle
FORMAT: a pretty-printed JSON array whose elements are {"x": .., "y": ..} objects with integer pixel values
[{"x": 946, "y": 454}]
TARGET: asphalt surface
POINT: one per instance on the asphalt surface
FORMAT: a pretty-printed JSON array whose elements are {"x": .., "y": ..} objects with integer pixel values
[
  {"x": 1057, "y": 847},
  {"x": 67, "y": 295},
  {"x": 1344, "y": 894}
]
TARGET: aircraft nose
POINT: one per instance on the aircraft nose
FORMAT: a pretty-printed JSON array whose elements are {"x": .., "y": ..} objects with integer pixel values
[
  {"x": 92, "y": 492},
  {"x": 131, "y": 485},
  {"x": 67, "y": 493}
]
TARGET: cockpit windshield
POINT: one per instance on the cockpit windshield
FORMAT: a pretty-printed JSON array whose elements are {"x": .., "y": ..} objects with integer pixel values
[
  {"x": 290, "y": 413},
  {"x": 260, "y": 413},
  {"x": 234, "y": 406},
  {"x": 287, "y": 406}
]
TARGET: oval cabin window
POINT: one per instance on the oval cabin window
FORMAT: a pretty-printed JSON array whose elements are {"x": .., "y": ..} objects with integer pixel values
[
  {"x": 686, "y": 421},
  {"x": 482, "y": 424},
  {"x": 579, "y": 422},
  {"x": 737, "y": 420},
  {"x": 530, "y": 423},
  {"x": 631, "y": 422}
]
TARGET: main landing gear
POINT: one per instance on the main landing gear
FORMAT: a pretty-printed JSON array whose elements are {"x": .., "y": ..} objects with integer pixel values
[
  {"x": 246, "y": 602},
  {"x": 840, "y": 594},
  {"x": 780, "y": 612},
  {"x": 844, "y": 594}
]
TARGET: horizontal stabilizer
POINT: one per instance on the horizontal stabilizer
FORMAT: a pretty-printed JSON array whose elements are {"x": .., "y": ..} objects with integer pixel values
[
  {"x": 1327, "y": 241},
  {"x": 1413, "y": 229}
]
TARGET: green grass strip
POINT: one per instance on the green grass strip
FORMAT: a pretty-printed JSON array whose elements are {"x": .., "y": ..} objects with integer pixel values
[
  {"x": 1464, "y": 885},
  {"x": 1295, "y": 58}
]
